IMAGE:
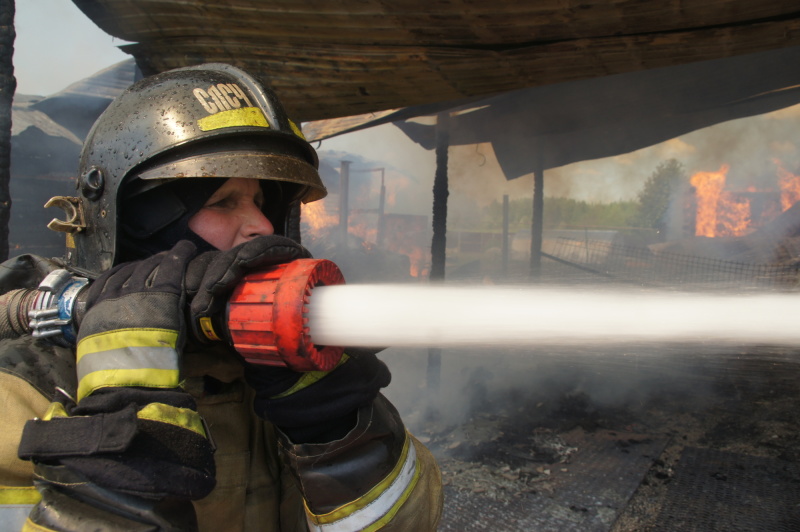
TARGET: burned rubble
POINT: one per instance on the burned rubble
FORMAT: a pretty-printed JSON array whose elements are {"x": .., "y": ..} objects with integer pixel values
[{"x": 595, "y": 440}]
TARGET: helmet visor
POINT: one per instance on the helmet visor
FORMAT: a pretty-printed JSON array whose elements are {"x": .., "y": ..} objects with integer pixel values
[{"x": 253, "y": 165}]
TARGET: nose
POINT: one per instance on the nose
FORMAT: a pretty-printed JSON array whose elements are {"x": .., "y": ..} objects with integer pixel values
[{"x": 255, "y": 223}]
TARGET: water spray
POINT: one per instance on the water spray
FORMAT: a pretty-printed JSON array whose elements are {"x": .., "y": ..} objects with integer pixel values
[{"x": 300, "y": 314}]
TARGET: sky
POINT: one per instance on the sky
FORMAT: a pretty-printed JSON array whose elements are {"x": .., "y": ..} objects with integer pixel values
[{"x": 75, "y": 48}]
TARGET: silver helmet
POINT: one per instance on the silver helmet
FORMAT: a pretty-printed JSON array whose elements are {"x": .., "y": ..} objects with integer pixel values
[{"x": 206, "y": 121}]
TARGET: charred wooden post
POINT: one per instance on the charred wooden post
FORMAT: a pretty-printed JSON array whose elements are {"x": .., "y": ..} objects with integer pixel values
[
  {"x": 8, "y": 85},
  {"x": 439, "y": 240}
]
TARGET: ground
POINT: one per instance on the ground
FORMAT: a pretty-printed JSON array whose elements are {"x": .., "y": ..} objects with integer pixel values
[{"x": 509, "y": 426}]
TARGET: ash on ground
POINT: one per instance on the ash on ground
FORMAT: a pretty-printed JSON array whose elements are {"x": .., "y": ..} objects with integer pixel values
[{"x": 510, "y": 434}]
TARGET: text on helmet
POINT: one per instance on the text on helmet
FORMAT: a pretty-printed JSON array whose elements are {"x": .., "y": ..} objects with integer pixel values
[{"x": 222, "y": 97}]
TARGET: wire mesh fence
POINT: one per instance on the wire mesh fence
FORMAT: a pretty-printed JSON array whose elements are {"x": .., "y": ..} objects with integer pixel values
[{"x": 571, "y": 260}]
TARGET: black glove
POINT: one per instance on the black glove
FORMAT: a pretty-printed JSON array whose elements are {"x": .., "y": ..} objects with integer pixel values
[
  {"x": 212, "y": 276},
  {"x": 135, "y": 311},
  {"x": 318, "y": 406},
  {"x": 133, "y": 429}
]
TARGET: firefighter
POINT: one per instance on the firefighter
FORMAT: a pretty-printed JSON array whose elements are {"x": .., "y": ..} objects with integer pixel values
[{"x": 186, "y": 184}]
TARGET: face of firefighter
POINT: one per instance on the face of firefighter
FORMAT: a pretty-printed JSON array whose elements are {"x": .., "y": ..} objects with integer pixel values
[{"x": 232, "y": 215}]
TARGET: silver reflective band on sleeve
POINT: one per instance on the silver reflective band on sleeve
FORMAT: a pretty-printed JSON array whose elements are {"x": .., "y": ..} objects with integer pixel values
[
  {"x": 389, "y": 500},
  {"x": 13, "y": 516},
  {"x": 128, "y": 358}
]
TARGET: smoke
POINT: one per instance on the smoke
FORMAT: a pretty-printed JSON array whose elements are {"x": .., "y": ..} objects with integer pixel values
[{"x": 549, "y": 383}]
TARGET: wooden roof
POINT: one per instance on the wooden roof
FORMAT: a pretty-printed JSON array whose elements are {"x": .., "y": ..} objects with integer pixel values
[{"x": 335, "y": 58}]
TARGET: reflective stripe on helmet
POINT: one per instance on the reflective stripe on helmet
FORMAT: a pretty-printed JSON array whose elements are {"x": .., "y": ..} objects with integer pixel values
[
  {"x": 379, "y": 505},
  {"x": 245, "y": 116}
]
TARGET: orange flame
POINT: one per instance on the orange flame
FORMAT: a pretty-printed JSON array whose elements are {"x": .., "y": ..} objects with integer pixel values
[
  {"x": 315, "y": 215},
  {"x": 719, "y": 212},
  {"x": 789, "y": 184},
  {"x": 733, "y": 215},
  {"x": 708, "y": 186}
]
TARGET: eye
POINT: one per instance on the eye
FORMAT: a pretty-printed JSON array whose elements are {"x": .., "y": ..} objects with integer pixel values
[
  {"x": 225, "y": 202},
  {"x": 259, "y": 199}
]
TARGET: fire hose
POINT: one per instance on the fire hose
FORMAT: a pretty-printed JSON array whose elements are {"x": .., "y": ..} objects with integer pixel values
[
  {"x": 265, "y": 319},
  {"x": 273, "y": 315}
]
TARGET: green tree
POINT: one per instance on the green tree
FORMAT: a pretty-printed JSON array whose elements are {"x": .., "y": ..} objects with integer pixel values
[{"x": 658, "y": 192}]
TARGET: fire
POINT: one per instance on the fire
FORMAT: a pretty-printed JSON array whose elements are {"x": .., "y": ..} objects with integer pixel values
[
  {"x": 315, "y": 215},
  {"x": 722, "y": 212},
  {"x": 708, "y": 187},
  {"x": 733, "y": 214},
  {"x": 789, "y": 184},
  {"x": 404, "y": 231}
]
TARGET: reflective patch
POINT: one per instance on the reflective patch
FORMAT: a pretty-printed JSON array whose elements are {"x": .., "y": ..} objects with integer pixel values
[
  {"x": 147, "y": 378},
  {"x": 246, "y": 116},
  {"x": 128, "y": 358},
  {"x": 379, "y": 506},
  {"x": 296, "y": 130},
  {"x": 180, "y": 417},
  {"x": 54, "y": 410},
  {"x": 13, "y": 517},
  {"x": 208, "y": 329},
  {"x": 15, "y": 496},
  {"x": 308, "y": 378},
  {"x": 132, "y": 357},
  {"x": 125, "y": 338},
  {"x": 15, "y": 505}
]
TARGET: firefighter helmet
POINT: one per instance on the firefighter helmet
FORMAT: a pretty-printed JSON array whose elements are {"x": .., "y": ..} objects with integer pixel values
[{"x": 206, "y": 121}]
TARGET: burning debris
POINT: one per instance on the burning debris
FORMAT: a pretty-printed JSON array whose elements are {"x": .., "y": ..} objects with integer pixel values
[
  {"x": 755, "y": 225},
  {"x": 368, "y": 244}
]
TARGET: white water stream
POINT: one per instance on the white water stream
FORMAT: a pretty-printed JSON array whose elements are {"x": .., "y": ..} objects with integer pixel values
[{"x": 444, "y": 316}]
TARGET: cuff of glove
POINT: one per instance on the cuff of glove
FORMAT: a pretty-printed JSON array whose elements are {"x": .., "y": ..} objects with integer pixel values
[
  {"x": 325, "y": 432},
  {"x": 344, "y": 469}
]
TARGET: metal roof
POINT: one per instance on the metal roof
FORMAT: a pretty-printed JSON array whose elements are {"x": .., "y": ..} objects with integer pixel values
[{"x": 335, "y": 58}]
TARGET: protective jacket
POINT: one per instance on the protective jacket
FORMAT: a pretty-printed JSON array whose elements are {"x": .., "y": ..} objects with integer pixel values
[{"x": 378, "y": 476}]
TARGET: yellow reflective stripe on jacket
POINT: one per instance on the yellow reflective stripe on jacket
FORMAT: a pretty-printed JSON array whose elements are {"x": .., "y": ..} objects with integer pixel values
[
  {"x": 379, "y": 505},
  {"x": 122, "y": 338},
  {"x": 128, "y": 357},
  {"x": 19, "y": 495},
  {"x": 15, "y": 505},
  {"x": 54, "y": 410},
  {"x": 30, "y": 526},
  {"x": 308, "y": 378},
  {"x": 181, "y": 417}
]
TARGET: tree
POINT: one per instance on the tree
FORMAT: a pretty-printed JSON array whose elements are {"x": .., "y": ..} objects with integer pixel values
[{"x": 659, "y": 191}]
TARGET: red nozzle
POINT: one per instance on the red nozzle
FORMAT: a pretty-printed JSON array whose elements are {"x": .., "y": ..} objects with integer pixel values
[{"x": 267, "y": 316}]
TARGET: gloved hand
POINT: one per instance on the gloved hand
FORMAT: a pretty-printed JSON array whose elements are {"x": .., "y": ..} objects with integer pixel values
[
  {"x": 212, "y": 276},
  {"x": 309, "y": 407},
  {"x": 133, "y": 429},
  {"x": 134, "y": 329},
  {"x": 318, "y": 406}
]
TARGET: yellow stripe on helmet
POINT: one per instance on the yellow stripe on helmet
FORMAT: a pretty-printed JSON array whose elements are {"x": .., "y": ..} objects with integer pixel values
[{"x": 244, "y": 116}]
